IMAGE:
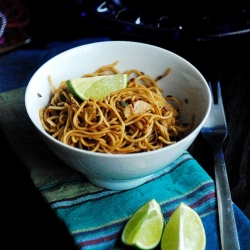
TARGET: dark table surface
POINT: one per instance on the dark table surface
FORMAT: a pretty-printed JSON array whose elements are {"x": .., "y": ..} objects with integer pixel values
[{"x": 226, "y": 59}]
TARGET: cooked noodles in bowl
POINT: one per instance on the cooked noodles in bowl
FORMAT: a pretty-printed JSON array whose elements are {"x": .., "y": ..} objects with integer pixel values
[{"x": 137, "y": 118}]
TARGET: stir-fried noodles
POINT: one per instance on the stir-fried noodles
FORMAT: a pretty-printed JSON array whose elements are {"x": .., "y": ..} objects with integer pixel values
[{"x": 135, "y": 119}]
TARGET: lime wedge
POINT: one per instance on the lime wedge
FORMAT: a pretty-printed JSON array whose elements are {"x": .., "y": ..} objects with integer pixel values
[
  {"x": 184, "y": 231},
  {"x": 97, "y": 87},
  {"x": 144, "y": 228}
]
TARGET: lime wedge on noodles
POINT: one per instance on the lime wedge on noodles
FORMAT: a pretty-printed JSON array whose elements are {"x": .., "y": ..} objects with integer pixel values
[{"x": 97, "y": 87}]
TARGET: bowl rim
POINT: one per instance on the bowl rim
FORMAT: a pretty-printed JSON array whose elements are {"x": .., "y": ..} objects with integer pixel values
[{"x": 117, "y": 155}]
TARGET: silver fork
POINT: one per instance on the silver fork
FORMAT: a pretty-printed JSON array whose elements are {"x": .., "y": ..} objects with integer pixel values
[{"x": 214, "y": 132}]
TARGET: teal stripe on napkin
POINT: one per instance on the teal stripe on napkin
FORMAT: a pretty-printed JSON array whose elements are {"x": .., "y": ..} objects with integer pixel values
[{"x": 96, "y": 217}]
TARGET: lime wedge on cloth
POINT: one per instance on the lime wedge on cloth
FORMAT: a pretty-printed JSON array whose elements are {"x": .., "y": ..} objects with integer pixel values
[
  {"x": 184, "y": 230},
  {"x": 144, "y": 228}
]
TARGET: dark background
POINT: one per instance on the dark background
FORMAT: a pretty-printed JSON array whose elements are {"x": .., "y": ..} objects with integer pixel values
[{"x": 25, "y": 218}]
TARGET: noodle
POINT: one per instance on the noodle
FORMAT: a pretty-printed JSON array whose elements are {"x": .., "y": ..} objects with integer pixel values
[{"x": 135, "y": 119}]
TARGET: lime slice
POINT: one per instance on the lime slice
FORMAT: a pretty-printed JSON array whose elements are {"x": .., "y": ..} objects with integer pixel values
[
  {"x": 144, "y": 229},
  {"x": 184, "y": 231},
  {"x": 97, "y": 87}
]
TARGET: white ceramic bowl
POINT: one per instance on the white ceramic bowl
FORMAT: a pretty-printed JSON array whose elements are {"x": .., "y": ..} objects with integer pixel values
[{"x": 118, "y": 171}]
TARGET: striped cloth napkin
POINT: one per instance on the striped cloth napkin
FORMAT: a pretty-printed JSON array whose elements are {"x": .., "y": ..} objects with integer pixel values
[{"x": 95, "y": 217}]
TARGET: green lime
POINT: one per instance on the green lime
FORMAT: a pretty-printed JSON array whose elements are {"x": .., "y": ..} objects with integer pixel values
[
  {"x": 144, "y": 228},
  {"x": 184, "y": 230},
  {"x": 97, "y": 87}
]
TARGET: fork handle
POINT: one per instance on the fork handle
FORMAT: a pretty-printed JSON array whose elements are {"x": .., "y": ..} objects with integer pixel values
[{"x": 228, "y": 230}]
